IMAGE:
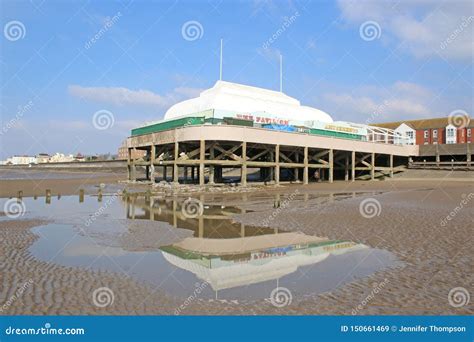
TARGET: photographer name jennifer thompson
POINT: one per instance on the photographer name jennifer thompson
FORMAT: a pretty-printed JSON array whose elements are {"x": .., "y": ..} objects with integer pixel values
[{"x": 402, "y": 329}]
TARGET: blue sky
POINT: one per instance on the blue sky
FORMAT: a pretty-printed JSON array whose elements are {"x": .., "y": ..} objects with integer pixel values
[{"x": 414, "y": 59}]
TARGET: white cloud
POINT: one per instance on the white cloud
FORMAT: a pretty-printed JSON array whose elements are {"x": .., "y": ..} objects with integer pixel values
[
  {"x": 121, "y": 96},
  {"x": 369, "y": 104},
  {"x": 422, "y": 27}
]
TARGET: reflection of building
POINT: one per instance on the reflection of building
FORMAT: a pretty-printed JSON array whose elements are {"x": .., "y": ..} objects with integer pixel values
[
  {"x": 227, "y": 254},
  {"x": 228, "y": 263}
]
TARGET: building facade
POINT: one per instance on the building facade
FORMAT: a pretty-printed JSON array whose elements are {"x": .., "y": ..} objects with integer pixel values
[{"x": 432, "y": 131}]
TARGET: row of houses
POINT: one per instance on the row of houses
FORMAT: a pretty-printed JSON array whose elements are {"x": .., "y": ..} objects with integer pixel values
[
  {"x": 43, "y": 158},
  {"x": 432, "y": 131}
]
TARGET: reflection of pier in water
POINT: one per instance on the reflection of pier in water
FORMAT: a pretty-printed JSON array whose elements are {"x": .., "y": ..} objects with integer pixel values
[
  {"x": 228, "y": 255},
  {"x": 214, "y": 223}
]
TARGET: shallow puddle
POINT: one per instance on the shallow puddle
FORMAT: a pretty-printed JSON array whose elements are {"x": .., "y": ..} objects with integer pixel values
[{"x": 179, "y": 245}]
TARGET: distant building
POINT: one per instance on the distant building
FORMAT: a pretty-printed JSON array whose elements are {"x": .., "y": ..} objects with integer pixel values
[
  {"x": 42, "y": 158},
  {"x": 432, "y": 131},
  {"x": 21, "y": 160},
  {"x": 61, "y": 158}
]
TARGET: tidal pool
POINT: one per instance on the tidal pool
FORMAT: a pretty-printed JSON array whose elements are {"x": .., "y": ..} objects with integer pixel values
[{"x": 178, "y": 245}]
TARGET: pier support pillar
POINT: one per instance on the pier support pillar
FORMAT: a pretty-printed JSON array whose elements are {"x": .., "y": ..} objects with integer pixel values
[
  {"x": 372, "y": 166},
  {"x": 133, "y": 169},
  {"x": 175, "y": 165},
  {"x": 202, "y": 156},
  {"x": 468, "y": 154},
  {"x": 277, "y": 164},
  {"x": 297, "y": 169},
  {"x": 331, "y": 165},
  {"x": 353, "y": 166},
  {"x": 164, "y": 173},
  {"x": 391, "y": 165},
  {"x": 212, "y": 168},
  {"x": 305, "y": 170},
  {"x": 152, "y": 163},
  {"x": 185, "y": 174},
  {"x": 346, "y": 167},
  {"x": 243, "y": 177}
]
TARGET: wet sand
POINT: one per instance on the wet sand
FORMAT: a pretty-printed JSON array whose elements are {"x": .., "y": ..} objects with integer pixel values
[
  {"x": 436, "y": 257},
  {"x": 32, "y": 187}
]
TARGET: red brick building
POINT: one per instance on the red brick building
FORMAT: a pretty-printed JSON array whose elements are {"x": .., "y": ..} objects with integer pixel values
[{"x": 433, "y": 131}]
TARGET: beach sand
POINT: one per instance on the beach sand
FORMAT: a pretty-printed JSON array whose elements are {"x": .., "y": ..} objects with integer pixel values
[{"x": 436, "y": 257}]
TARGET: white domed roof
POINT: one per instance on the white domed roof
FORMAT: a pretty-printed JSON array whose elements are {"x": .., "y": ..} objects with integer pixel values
[{"x": 240, "y": 98}]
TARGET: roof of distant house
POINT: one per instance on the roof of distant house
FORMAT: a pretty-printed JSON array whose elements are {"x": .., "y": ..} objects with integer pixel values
[{"x": 421, "y": 124}]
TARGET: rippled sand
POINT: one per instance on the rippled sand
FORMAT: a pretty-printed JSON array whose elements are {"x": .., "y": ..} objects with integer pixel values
[{"x": 436, "y": 259}]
